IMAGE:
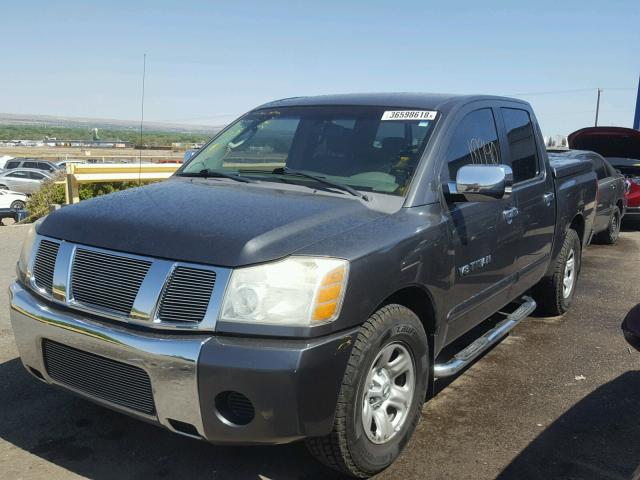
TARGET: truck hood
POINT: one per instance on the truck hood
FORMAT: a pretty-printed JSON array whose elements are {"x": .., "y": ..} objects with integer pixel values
[
  {"x": 607, "y": 141},
  {"x": 208, "y": 221}
]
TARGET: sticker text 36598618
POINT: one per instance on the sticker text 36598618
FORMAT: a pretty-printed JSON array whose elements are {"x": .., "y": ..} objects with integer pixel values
[{"x": 409, "y": 115}]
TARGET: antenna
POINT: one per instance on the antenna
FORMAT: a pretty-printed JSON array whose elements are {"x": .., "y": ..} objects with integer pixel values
[
  {"x": 144, "y": 73},
  {"x": 598, "y": 106}
]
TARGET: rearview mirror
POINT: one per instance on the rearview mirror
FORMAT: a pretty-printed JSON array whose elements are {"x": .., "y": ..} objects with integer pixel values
[{"x": 480, "y": 183}]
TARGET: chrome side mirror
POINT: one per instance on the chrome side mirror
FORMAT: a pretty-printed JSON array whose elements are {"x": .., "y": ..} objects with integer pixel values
[{"x": 480, "y": 183}]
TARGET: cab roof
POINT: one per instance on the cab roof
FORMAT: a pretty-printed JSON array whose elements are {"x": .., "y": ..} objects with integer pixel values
[{"x": 432, "y": 101}]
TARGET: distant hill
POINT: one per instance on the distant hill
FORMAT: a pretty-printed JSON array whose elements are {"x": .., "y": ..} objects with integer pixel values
[
  {"x": 38, "y": 127},
  {"x": 81, "y": 122}
]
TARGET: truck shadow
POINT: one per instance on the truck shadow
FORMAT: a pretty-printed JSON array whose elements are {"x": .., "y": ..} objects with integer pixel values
[
  {"x": 97, "y": 443},
  {"x": 597, "y": 438}
]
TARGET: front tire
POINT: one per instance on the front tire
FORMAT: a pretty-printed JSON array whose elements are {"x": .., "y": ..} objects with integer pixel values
[
  {"x": 554, "y": 293},
  {"x": 381, "y": 396},
  {"x": 611, "y": 234}
]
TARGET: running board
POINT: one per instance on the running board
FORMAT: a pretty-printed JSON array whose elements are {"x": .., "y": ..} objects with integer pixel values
[{"x": 467, "y": 355}]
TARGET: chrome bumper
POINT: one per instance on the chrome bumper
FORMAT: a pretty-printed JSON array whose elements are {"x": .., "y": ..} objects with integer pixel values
[{"x": 169, "y": 360}]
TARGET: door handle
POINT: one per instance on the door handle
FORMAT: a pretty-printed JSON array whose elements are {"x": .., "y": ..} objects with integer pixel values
[
  {"x": 548, "y": 198},
  {"x": 509, "y": 214}
]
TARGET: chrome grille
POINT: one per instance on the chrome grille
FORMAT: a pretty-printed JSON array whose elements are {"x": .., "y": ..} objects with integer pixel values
[
  {"x": 186, "y": 297},
  {"x": 106, "y": 281},
  {"x": 44, "y": 264},
  {"x": 100, "y": 377}
]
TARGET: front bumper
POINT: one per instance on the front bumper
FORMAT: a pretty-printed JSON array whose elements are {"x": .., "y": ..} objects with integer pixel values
[
  {"x": 293, "y": 385},
  {"x": 632, "y": 212}
]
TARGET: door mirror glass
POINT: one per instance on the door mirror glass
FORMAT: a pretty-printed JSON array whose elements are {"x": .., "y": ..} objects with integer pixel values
[{"x": 480, "y": 183}]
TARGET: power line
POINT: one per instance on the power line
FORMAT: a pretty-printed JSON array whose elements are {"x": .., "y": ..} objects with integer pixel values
[{"x": 575, "y": 90}]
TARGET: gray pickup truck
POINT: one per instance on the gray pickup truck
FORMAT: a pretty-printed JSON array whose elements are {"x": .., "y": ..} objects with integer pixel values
[{"x": 310, "y": 272}]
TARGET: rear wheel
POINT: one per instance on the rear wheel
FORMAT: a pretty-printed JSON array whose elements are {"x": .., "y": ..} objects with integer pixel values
[
  {"x": 554, "y": 293},
  {"x": 381, "y": 397},
  {"x": 611, "y": 234},
  {"x": 18, "y": 205}
]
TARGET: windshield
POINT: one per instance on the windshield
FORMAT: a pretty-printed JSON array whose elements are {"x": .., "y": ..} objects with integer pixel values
[{"x": 372, "y": 149}]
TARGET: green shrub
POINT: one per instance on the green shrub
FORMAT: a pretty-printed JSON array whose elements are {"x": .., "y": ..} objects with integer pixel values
[{"x": 51, "y": 193}]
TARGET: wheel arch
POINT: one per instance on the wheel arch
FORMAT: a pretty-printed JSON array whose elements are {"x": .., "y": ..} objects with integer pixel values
[
  {"x": 417, "y": 299},
  {"x": 578, "y": 225}
]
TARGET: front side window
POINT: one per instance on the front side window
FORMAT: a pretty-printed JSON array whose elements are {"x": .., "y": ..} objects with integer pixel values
[
  {"x": 359, "y": 147},
  {"x": 599, "y": 167},
  {"x": 18, "y": 175},
  {"x": 522, "y": 144},
  {"x": 474, "y": 142},
  {"x": 36, "y": 176}
]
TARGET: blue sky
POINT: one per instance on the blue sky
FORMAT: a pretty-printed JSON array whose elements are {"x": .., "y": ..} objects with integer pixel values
[{"x": 208, "y": 62}]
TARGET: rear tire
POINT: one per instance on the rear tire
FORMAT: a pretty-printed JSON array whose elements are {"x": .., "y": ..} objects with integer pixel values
[
  {"x": 611, "y": 234},
  {"x": 392, "y": 339},
  {"x": 18, "y": 205},
  {"x": 554, "y": 293}
]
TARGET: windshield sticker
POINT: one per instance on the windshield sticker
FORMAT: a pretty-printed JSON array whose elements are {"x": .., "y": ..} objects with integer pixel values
[
  {"x": 423, "y": 124},
  {"x": 409, "y": 115}
]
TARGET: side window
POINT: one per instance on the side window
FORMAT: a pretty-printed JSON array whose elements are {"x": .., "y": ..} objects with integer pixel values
[
  {"x": 12, "y": 164},
  {"x": 599, "y": 167},
  {"x": 36, "y": 175},
  {"x": 474, "y": 141},
  {"x": 45, "y": 166},
  {"x": 18, "y": 174},
  {"x": 30, "y": 165},
  {"x": 522, "y": 144}
]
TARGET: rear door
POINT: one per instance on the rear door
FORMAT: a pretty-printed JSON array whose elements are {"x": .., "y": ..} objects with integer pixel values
[
  {"x": 482, "y": 238},
  {"x": 533, "y": 192},
  {"x": 606, "y": 193}
]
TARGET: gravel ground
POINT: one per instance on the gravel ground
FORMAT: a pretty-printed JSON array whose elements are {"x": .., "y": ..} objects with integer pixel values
[{"x": 557, "y": 399}]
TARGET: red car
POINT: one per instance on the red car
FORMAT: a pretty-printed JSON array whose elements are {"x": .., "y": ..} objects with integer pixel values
[{"x": 621, "y": 147}]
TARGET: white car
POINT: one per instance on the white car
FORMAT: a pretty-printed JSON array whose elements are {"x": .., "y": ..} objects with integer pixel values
[{"x": 13, "y": 200}]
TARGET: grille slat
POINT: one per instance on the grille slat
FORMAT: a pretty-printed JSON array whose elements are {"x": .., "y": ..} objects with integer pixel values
[
  {"x": 107, "y": 281},
  {"x": 100, "y": 377},
  {"x": 186, "y": 296},
  {"x": 44, "y": 264}
]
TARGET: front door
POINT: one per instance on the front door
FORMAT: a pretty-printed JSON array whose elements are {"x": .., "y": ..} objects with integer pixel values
[
  {"x": 606, "y": 194},
  {"x": 483, "y": 234}
]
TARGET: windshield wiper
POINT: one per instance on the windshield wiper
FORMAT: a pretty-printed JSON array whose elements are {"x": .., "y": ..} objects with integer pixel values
[
  {"x": 207, "y": 173},
  {"x": 324, "y": 181}
]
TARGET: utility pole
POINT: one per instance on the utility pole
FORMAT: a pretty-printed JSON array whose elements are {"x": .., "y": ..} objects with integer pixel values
[
  {"x": 598, "y": 107},
  {"x": 636, "y": 118},
  {"x": 144, "y": 72}
]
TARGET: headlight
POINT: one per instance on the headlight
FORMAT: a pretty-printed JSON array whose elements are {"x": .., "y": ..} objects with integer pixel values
[
  {"x": 27, "y": 248},
  {"x": 298, "y": 291}
]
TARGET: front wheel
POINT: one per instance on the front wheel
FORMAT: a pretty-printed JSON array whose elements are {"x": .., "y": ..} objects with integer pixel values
[
  {"x": 554, "y": 293},
  {"x": 381, "y": 397},
  {"x": 611, "y": 234}
]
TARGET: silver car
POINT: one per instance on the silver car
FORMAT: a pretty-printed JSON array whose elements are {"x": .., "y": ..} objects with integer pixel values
[{"x": 24, "y": 180}]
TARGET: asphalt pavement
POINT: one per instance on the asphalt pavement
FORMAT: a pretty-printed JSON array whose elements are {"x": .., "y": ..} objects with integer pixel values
[{"x": 557, "y": 399}]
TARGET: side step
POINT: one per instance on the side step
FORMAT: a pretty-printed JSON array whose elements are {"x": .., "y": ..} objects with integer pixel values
[{"x": 465, "y": 356}]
